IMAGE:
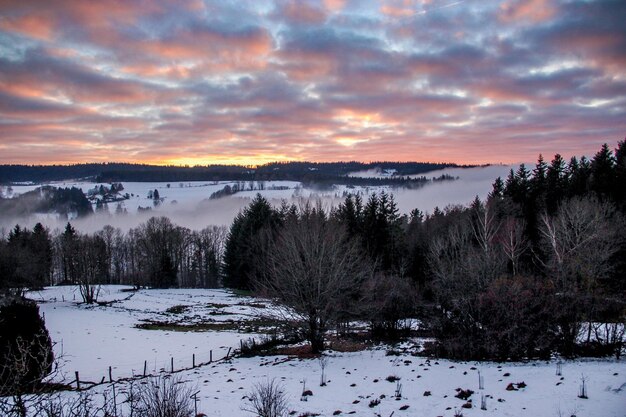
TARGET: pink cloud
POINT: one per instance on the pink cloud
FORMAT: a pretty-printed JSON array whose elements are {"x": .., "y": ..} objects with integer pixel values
[{"x": 530, "y": 10}]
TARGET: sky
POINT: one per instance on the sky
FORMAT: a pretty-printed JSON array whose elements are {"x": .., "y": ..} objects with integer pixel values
[{"x": 249, "y": 82}]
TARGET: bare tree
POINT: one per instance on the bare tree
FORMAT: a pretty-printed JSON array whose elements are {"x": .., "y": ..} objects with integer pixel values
[
  {"x": 92, "y": 267},
  {"x": 514, "y": 242},
  {"x": 580, "y": 241},
  {"x": 311, "y": 268}
]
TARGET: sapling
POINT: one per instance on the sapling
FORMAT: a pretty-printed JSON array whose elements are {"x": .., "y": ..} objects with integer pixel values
[
  {"x": 304, "y": 395},
  {"x": 398, "y": 393},
  {"x": 582, "y": 393},
  {"x": 323, "y": 361}
]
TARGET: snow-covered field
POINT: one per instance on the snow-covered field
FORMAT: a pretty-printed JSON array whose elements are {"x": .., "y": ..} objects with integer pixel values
[
  {"x": 89, "y": 339},
  {"x": 94, "y": 338}
]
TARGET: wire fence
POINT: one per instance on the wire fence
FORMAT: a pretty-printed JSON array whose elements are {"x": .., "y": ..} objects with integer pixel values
[{"x": 174, "y": 366}]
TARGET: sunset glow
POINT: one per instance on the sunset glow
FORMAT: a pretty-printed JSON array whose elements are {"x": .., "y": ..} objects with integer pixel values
[{"x": 250, "y": 82}]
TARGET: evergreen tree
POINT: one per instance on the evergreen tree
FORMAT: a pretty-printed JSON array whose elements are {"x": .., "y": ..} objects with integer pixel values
[
  {"x": 555, "y": 184},
  {"x": 41, "y": 247},
  {"x": 349, "y": 213},
  {"x": 578, "y": 173},
  {"x": 69, "y": 254},
  {"x": 538, "y": 181},
  {"x": 382, "y": 231},
  {"x": 602, "y": 171},
  {"x": 497, "y": 189},
  {"x": 620, "y": 173},
  {"x": 248, "y": 234},
  {"x": 25, "y": 348}
]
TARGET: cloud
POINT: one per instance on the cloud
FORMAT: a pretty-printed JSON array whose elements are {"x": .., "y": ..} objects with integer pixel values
[
  {"x": 532, "y": 10},
  {"x": 211, "y": 81}
]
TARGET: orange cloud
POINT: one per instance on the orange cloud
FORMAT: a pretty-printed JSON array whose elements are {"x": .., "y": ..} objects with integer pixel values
[
  {"x": 399, "y": 8},
  {"x": 39, "y": 27},
  {"x": 334, "y": 5},
  {"x": 531, "y": 10}
]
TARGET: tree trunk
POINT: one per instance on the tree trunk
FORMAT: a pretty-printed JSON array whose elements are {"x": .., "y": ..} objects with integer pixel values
[{"x": 316, "y": 336}]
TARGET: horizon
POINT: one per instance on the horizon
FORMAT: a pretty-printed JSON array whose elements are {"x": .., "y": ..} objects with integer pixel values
[
  {"x": 199, "y": 83},
  {"x": 453, "y": 164}
]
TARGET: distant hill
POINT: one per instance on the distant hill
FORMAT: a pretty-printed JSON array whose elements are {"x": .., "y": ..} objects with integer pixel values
[{"x": 307, "y": 172}]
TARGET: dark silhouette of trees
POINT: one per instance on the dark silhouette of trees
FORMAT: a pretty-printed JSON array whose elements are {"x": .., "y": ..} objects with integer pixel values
[
  {"x": 251, "y": 230},
  {"x": 68, "y": 253},
  {"x": 26, "y": 355},
  {"x": 313, "y": 268},
  {"x": 26, "y": 258},
  {"x": 159, "y": 244}
]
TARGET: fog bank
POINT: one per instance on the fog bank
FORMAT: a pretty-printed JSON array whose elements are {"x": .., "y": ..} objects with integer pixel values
[{"x": 188, "y": 204}]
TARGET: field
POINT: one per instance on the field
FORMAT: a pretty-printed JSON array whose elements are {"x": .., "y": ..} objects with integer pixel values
[{"x": 90, "y": 339}]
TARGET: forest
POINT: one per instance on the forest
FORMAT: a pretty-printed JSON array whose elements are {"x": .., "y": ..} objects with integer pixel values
[
  {"x": 537, "y": 268},
  {"x": 306, "y": 172},
  {"x": 67, "y": 202}
]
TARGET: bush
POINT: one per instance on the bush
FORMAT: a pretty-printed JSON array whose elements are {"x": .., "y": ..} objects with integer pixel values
[
  {"x": 514, "y": 318},
  {"x": 26, "y": 354},
  {"x": 267, "y": 400},
  {"x": 164, "y": 396}
]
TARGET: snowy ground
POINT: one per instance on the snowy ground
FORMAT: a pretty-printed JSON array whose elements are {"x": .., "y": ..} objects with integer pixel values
[
  {"x": 91, "y": 338},
  {"x": 355, "y": 379},
  {"x": 96, "y": 337}
]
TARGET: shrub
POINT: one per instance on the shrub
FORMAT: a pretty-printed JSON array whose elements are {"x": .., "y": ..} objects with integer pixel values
[
  {"x": 267, "y": 399},
  {"x": 26, "y": 354},
  {"x": 164, "y": 396}
]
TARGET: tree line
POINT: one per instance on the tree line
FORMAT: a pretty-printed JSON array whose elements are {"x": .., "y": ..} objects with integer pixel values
[
  {"x": 306, "y": 172},
  {"x": 67, "y": 202},
  {"x": 536, "y": 268},
  {"x": 157, "y": 254}
]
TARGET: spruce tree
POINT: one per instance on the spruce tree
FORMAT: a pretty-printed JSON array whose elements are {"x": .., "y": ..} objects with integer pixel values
[
  {"x": 602, "y": 171},
  {"x": 555, "y": 183},
  {"x": 247, "y": 235},
  {"x": 620, "y": 173}
]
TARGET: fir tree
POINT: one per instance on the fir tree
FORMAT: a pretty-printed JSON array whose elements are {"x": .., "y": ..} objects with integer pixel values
[
  {"x": 245, "y": 239},
  {"x": 555, "y": 183},
  {"x": 602, "y": 171}
]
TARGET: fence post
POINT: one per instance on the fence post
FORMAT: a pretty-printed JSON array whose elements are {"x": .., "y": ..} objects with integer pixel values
[
  {"x": 77, "y": 381},
  {"x": 110, "y": 375},
  {"x": 114, "y": 401},
  {"x": 211, "y": 356},
  {"x": 172, "y": 362},
  {"x": 193, "y": 360},
  {"x": 145, "y": 366}
]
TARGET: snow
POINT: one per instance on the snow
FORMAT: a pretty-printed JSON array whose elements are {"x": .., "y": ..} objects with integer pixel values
[
  {"x": 91, "y": 338},
  {"x": 541, "y": 397},
  {"x": 95, "y": 337}
]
